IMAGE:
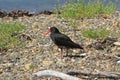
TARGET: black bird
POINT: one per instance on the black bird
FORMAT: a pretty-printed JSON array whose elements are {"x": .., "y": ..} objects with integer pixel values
[{"x": 61, "y": 40}]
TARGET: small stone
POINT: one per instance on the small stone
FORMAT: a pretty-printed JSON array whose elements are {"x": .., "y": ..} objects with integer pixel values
[
  {"x": 1, "y": 68},
  {"x": 27, "y": 66},
  {"x": 73, "y": 60},
  {"x": 117, "y": 56},
  {"x": 46, "y": 63},
  {"x": 83, "y": 55},
  {"x": 118, "y": 62},
  {"x": 117, "y": 43}
]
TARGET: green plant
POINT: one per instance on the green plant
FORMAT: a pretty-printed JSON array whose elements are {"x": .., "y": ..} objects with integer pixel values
[
  {"x": 81, "y": 9},
  {"x": 6, "y": 31},
  {"x": 96, "y": 33},
  {"x": 31, "y": 66}
]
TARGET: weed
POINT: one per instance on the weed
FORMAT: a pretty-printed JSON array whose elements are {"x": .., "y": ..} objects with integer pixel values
[
  {"x": 81, "y": 9},
  {"x": 6, "y": 30},
  {"x": 96, "y": 33},
  {"x": 31, "y": 66}
]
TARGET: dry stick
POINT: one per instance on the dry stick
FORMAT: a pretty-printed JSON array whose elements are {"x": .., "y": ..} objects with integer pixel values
[
  {"x": 97, "y": 73},
  {"x": 55, "y": 74}
]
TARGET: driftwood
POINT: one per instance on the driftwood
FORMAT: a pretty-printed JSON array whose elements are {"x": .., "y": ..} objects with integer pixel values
[
  {"x": 68, "y": 76},
  {"x": 96, "y": 73},
  {"x": 61, "y": 75}
]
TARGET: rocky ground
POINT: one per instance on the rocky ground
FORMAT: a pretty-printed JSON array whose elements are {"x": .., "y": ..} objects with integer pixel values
[{"x": 40, "y": 53}]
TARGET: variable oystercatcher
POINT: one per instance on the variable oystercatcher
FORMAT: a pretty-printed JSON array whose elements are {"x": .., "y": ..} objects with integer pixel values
[{"x": 61, "y": 40}]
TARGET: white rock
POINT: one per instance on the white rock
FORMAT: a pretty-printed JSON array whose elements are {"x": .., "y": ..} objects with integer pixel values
[
  {"x": 118, "y": 62},
  {"x": 117, "y": 43},
  {"x": 83, "y": 54}
]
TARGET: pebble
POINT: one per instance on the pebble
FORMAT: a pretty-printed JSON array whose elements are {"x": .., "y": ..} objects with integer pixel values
[
  {"x": 83, "y": 54},
  {"x": 27, "y": 66},
  {"x": 118, "y": 62},
  {"x": 117, "y": 44},
  {"x": 47, "y": 63}
]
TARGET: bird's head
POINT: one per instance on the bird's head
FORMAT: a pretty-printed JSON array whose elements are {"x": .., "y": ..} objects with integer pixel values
[{"x": 52, "y": 30}]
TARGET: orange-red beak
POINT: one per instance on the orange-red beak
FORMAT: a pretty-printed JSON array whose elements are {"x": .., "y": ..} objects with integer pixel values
[{"x": 47, "y": 32}]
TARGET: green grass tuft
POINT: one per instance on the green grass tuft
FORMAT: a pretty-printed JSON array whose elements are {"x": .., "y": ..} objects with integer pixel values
[
  {"x": 81, "y": 9},
  {"x": 6, "y": 30},
  {"x": 96, "y": 33},
  {"x": 31, "y": 66}
]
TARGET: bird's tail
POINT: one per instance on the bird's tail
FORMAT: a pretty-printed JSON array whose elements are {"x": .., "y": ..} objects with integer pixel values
[{"x": 77, "y": 46}]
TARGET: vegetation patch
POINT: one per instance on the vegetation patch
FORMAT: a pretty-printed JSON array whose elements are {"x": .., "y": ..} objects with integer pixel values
[
  {"x": 6, "y": 32},
  {"x": 77, "y": 9},
  {"x": 96, "y": 33}
]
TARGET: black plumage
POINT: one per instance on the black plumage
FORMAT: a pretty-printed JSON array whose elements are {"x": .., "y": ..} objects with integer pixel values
[{"x": 62, "y": 41}]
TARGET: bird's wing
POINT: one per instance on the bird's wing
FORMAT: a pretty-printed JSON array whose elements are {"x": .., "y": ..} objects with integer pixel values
[{"x": 61, "y": 39}]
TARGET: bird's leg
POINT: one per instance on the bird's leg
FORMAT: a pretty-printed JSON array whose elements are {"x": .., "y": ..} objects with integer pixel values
[
  {"x": 66, "y": 52},
  {"x": 61, "y": 53}
]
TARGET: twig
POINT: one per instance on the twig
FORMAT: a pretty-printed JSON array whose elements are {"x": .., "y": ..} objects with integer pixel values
[
  {"x": 97, "y": 73},
  {"x": 55, "y": 74}
]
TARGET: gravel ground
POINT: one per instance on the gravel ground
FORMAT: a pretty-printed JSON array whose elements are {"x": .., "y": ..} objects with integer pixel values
[{"x": 40, "y": 53}]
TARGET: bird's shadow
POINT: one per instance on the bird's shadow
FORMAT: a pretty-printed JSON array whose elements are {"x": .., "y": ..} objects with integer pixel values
[{"x": 74, "y": 56}]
